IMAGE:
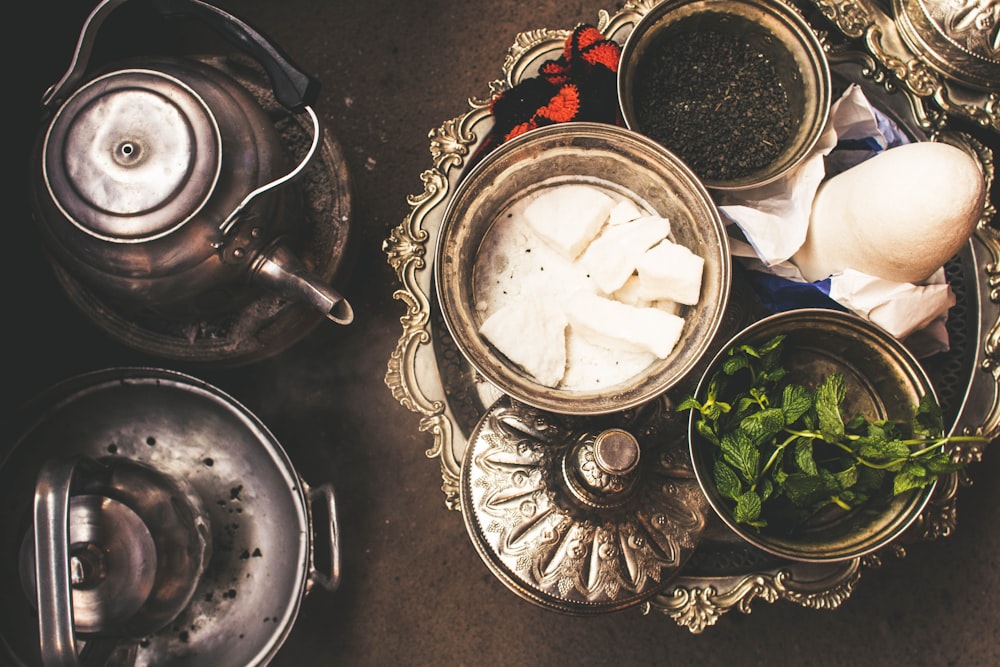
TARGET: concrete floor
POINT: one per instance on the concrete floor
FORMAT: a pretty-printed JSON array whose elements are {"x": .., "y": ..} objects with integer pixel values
[{"x": 414, "y": 591}]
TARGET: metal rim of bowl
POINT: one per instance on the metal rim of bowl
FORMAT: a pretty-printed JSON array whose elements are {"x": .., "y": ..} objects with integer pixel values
[
  {"x": 904, "y": 509},
  {"x": 455, "y": 245},
  {"x": 813, "y": 65}
]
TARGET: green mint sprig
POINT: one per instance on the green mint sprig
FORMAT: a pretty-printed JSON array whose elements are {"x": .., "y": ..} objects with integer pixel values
[{"x": 783, "y": 452}]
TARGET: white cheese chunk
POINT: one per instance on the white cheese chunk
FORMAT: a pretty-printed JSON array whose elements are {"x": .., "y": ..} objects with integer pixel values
[
  {"x": 629, "y": 293},
  {"x": 624, "y": 211},
  {"x": 613, "y": 256},
  {"x": 670, "y": 271},
  {"x": 569, "y": 216},
  {"x": 532, "y": 334},
  {"x": 618, "y": 325}
]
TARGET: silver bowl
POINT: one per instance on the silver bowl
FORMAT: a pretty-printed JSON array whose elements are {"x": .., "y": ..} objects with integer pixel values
[
  {"x": 624, "y": 163},
  {"x": 771, "y": 28},
  {"x": 884, "y": 381}
]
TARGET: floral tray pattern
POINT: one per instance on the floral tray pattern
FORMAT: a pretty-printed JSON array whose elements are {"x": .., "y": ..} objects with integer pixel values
[{"x": 428, "y": 375}]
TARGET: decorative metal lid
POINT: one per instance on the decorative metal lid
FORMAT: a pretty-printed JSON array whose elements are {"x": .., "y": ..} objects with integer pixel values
[
  {"x": 581, "y": 514},
  {"x": 132, "y": 155},
  {"x": 959, "y": 39}
]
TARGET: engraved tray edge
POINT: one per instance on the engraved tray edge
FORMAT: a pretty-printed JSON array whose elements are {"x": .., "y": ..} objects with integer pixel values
[{"x": 414, "y": 379}]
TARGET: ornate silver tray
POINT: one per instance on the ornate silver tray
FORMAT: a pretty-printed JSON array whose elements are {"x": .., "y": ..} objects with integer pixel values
[{"x": 427, "y": 374}]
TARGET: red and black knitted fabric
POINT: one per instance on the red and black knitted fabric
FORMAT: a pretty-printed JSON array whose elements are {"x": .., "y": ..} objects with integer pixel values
[{"x": 581, "y": 84}]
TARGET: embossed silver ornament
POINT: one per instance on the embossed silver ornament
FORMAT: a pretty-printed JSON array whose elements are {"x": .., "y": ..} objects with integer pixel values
[{"x": 583, "y": 515}]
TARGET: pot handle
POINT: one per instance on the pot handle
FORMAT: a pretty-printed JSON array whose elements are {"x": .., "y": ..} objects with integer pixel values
[
  {"x": 53, "y": 590},
  {"x": 52, "y": 581},
  {"x": 329, "y": 580},
  {"x": 292, "y": 87}
]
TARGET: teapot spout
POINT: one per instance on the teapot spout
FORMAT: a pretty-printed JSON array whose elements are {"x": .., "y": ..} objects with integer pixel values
[{"x": 278, "y": 269}]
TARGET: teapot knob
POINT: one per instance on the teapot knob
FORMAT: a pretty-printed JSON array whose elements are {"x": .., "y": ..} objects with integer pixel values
[{"x": 600, "y": 470}]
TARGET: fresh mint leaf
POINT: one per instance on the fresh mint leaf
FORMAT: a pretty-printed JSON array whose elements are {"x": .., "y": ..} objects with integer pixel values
[
  {"x": 882, "y": 430},
  {"x": 912, "y": 475},
  {"x": 765, "y": 488},
  {"x": 927, "y": 420},
  {"x": 804, "y": 460},
  {"x": 855, "y": 496},
  {"x": 727, "y": 482},
  {"x": 857, "y": 424},
  {"x": 804, "y": 490},
  {"x": 772, "y": 376},
  {"x": 809, "y": 490},
  {"x": 714, "y": 410},
  {"x": 783, "y": 452},
  {"x": 847, "y": 477},
  {"x": 878, "y": 450},
  {"x": 941, "y": 464},
  {"x": 735, "y": 364},
  {"x": 745, "y": 405},
  {"x": 689, "y": 403},
  {"x": 748, "y": 507},
  {"x": 829, "y": 395},
  {"x": 869, "y": 480},
  {"x": 796, "y": 400},
  {"x": 739, "y": 452},
  {"x": 774, "y": 344},
  {"x": 770, "y": 354},
  {"x": 706, "y": 431},
  {"x": 762, "y": 426}
]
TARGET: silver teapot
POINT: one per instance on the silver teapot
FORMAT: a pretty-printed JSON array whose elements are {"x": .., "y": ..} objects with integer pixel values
[{"x": 158, "y": 184}]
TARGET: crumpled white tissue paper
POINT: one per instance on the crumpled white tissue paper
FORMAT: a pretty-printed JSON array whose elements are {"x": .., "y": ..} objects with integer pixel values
[{"x": 774, "y": 219}]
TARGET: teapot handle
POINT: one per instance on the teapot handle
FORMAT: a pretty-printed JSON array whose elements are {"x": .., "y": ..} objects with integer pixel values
[{"x": 292, "y": 87}]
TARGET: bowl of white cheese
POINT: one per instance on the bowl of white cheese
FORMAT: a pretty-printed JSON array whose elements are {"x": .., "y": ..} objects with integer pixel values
[{"x": 582, "y": 268}]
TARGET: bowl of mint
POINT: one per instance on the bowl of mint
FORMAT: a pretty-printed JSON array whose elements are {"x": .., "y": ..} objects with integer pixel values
[{"x": 816, "y": 436}]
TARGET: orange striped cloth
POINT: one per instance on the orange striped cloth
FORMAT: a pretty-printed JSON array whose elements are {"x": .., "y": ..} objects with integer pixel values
[{"x": 581, "y": 84}]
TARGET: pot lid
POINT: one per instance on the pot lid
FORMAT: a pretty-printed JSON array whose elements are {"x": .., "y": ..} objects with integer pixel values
[
  {"x": 959, "y": 39},
  {"x": 132, "y": 155},
  {"x": 113, "y": 563},
  {"x": 137, "y": 542},
  {"x": 249, "y": 594},
  {"x": 581, "y": 514}
]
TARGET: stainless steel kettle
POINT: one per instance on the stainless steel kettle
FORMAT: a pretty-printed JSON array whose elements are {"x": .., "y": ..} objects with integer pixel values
[{"x": 158, "y": 184}]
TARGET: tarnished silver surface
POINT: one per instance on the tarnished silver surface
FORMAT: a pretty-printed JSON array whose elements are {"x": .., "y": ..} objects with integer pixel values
[
  {"x": 269, "y": 323},
  {"x": 576, "y": 515},
  {"x": 619, "y": 161},
  {"x": 933, "y": 95},
  {"x": 775, "y": 29},
  {"x": 129, "y": 543},
  {"x": 883, "y": 381},
  {"x": 260, "y": 511},
  {"x": 959, "y": 39},
  {"x": 428, "y": 376},
  {"x": 156, "y": 184}
]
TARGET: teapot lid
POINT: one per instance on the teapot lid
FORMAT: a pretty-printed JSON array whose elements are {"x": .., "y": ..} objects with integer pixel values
[
  {"x": 961, "y": 40},
  {"x": 578, "y": 514},
  {"x": 132, "y": 155}
]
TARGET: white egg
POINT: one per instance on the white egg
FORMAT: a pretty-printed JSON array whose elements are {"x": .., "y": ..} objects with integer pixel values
[{"x": 898, "y": 216}]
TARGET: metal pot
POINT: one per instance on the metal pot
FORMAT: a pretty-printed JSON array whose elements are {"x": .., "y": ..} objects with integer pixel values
[
  {"x": 169, "y": 528},
  {"x": 156, "y": 183}
]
